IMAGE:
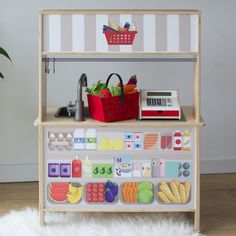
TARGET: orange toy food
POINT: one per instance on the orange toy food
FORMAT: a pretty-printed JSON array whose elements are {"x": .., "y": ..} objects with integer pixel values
[{"x": 129, "y": 192}]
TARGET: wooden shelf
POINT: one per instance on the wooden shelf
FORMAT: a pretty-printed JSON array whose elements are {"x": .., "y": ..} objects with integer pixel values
[
  {"x": 189, "y": 120},
  {"x": 113, "y": 208},
  {"x": 123, "y": 11},
  {"x": 174, "y": 56}
]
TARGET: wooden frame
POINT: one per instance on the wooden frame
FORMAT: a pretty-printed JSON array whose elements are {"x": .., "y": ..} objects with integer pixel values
[{"x": 193, "y": 117}]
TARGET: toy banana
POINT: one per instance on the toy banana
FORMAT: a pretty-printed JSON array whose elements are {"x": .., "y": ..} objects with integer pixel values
[
  {"x": 182, "y": 193},
  {"x": 168, "y": 193},
  {"x": 72, "y": 189},
  {"x": 76, "y": 196},
  {"x": 163, "y": 197},
  {"x": 175, "y": 191},
  {"x": 187, "y": 189}
]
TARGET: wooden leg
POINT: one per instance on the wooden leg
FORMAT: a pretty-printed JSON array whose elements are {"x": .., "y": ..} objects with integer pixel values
[
  {"x": 197, "y": 179},
  {"x": 41, "y": 217},
  {"x": 197, "y": 220},
  {"x": 41, "y": 176}
]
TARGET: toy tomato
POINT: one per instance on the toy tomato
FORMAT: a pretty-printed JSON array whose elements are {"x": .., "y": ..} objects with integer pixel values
[{"x": 105, "y": 93}]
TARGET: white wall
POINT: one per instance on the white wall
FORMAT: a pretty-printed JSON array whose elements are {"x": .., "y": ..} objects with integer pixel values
[{"x": 19, "y": 92}]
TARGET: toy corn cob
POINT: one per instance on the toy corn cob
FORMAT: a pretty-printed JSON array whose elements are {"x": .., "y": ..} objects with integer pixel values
[
  {"x": 187, "y": 189},
  {"x": 163, "y": 197},
  {"x": 163, "y": 183},
  {"x": 175, "y": 191},
  {"x": 168, "y": 193},
  {"x": 182, "y": 193},
  {"x": 176, "y": 182}
]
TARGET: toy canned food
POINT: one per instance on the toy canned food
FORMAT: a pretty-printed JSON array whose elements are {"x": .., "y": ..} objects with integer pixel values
[
  {"x": 174, "y": 192},
  {"x": 137, "y": 192},
  {"x": 101, "y": 192},
  {"x": 60, "y": 192}
]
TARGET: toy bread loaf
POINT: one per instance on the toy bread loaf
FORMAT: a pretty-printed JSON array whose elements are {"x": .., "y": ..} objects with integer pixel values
[
  {"x": 163, "y": 197},
  {"x": 175, "y": 191}
]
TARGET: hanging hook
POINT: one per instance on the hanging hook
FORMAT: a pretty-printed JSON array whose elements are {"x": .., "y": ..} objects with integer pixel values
[
  {"x": 47, "y": 70},
  {"x": 54, "y": 65}
]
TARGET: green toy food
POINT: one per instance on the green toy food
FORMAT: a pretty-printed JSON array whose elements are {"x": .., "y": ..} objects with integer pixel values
[
  {"x": 100, "y": 89},
  {"x": 134, "y": 192},
  {"x": 96, "y": 88}
]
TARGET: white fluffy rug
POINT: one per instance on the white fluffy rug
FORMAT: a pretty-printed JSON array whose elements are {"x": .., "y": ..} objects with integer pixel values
[{"x": 26, "y": 223}]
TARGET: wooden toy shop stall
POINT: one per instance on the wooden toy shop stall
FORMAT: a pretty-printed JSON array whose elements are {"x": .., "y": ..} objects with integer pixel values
[{"x": 138, "y": 150}]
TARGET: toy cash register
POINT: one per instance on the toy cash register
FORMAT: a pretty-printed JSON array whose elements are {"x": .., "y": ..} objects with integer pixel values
[{"x": 159, "y": 105}]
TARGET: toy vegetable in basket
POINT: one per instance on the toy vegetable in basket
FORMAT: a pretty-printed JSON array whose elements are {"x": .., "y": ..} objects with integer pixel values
[
  {"x": 115, "y": 103},
  {"x": 116, "y": 35}
]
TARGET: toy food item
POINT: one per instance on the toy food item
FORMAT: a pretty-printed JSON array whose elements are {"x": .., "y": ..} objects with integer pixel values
[
  {"x": 134, "y": 192},
  {"x": 174, "y": 192},
  {"x": 163, "y": 197},
  {"x": 150, "y": 141},
  {"x": 127, "y": 25},
  {"x": 112, "y": 25},
  {"x": 132, "y": 80},
  {"x": 96, "y": 88},
  {"x": 115, "y": 91},
  {"x": 105, "y": 93},
  {"x": 101, "y": 192},
  {"x": 57, "y": 192},
  {"x": 109, "y": 196},
  {"x": 145, "y": 196},
  {"x": 132, "y": 27},
  {"x": 75, "y": 193}
]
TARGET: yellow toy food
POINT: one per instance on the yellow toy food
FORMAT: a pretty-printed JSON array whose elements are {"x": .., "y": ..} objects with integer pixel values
[
  {"x": 163, "y": 197},
  {"x": 174, "y": 192},
  {"x": 75, "y": 194},
  {"x": 182, "y": 193}
]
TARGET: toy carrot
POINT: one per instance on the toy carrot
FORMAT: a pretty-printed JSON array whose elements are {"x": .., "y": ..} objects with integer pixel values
[
  {"x": 129, "y": 87},
  {"x": 133, "y": 91}
]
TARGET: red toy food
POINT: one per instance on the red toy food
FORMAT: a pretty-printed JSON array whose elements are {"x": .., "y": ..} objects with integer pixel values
[
  {"x": 57, "y": 192},
  {"x": 95, "y": 192},
  {"x": 105, "y": 93}
]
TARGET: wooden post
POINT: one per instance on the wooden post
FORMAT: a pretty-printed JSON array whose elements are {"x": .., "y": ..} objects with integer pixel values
[
  {"x": 197, "y": 179},
  {"x": 197, "y": 78}
]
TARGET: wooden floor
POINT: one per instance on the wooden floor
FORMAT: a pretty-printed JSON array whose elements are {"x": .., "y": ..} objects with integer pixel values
[{"x": 218, "y": 202}]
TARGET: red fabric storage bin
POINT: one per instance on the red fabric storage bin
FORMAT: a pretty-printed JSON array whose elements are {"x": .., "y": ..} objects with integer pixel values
[{"x": 115, "y": 108}]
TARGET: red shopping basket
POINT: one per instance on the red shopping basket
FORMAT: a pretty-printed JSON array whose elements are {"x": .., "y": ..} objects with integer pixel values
[
  {"x": 120, "y": 38},
  {"x": 117, "y": 108}
]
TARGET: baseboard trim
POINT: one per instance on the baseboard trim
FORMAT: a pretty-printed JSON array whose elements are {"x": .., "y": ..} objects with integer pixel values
[
  {"x": 218, "y": 166},
  {"x": 29, "y": 172},
  {"x": 19, "y": 173}
]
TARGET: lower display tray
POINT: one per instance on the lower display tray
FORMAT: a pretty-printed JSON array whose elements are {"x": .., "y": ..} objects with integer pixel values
[{"x": 112, "y": 194}]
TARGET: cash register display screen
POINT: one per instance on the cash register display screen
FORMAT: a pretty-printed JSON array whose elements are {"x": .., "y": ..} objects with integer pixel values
[{"x": 166, "y": 94}]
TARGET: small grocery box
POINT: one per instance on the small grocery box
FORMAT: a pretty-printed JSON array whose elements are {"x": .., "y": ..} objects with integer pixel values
[
  {"x": 116, "y": 108},
  {"x": 120, "y": 37}
]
